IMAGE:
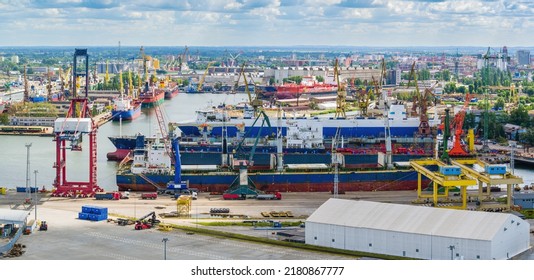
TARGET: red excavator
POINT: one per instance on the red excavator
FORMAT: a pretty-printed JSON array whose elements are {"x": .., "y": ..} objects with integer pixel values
[{"x": 147, "y": 221}]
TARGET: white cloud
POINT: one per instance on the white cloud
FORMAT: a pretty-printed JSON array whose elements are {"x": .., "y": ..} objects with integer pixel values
[
  {"x": 357, "y": 13},
  {"x": 233, "y": 5}
]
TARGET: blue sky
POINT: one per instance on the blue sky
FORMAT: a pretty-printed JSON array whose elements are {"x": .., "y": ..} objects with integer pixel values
[{"x": 267, "y": 22}]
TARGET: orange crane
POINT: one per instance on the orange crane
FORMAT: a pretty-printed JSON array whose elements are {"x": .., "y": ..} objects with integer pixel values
[{"x": 457, "y": 125}]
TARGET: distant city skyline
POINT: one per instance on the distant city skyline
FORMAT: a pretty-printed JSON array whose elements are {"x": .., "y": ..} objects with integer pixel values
[{"x": 386, "y": 23}]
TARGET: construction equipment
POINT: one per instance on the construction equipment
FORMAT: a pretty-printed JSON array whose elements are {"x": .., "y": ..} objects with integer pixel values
[
  {"x": 124, "y": 222},
  {"x": 147, "y": 221},
  {"x": 43, "y": 226},
  {"x": 456, "y": 126}
]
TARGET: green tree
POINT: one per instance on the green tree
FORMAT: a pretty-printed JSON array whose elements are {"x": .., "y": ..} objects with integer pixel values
[
  {"x": 520, "y": 116},
  {"x": 319, "y": 79},
  {"x": 527, "y": 138},
  {"x": 499, "y": 104},
  {"x": 4, "y": 119},
  {"x": 423, "y": 75},
  {"x": 449, "y": 88},
  {"x": 446, "y": 75}
]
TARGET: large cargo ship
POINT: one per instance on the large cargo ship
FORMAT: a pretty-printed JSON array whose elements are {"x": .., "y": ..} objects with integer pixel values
[
  {"x": 151, "y": 96},
  {"x": 150, "y": 169},
  {"x": 308, "y": 86},
  {"x": 210, "y": 123},
  {"x": 125, "y": 109}
]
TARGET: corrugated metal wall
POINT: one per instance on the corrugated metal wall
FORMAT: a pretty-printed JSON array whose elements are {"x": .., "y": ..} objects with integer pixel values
[{"x": 407, "y": 244}]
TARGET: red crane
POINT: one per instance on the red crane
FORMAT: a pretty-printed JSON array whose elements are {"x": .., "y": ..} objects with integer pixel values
[
  {"x": 77, "y": 122},
  {"x": 456, "y": 126}
]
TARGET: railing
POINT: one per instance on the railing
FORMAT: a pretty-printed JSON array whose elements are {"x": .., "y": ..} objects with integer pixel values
[{"x": 10, "y": 244}]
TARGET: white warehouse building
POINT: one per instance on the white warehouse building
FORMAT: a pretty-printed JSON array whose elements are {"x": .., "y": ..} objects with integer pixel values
[{"x": 416, "y": 231}]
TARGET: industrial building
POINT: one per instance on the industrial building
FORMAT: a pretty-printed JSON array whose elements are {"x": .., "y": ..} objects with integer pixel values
[
  {"x": 417, "y": 232},
  {"x": 524, "y": 199},
  {"x": 12, "y": 222}
]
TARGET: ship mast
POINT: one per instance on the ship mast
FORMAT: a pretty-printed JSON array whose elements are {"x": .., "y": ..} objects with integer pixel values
[{"x": 279, "y": 151}]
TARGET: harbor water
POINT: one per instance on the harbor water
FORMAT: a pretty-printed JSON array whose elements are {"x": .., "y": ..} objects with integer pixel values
[{"x": 13, "y": 155}]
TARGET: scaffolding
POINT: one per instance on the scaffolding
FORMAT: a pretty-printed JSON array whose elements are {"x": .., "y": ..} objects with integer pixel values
[{"x": 183, "y": 206}]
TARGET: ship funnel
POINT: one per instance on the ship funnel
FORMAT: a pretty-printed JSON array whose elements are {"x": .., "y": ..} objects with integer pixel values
[{"x": 178, "y": 163}]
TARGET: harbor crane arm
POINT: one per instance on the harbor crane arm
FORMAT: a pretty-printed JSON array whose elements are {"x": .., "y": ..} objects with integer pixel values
[
  {"x": 255, "y": 102},
  {"x": 201, "y": 82}
]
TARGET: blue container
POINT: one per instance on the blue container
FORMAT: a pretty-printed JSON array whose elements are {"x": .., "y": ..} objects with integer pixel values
[
  {"x": 450, "y": 170},
  {"x": 102, "y": 217},
  {"x": 100, "y": 210},
  {"x": 23, "y": 189},
  {"x": 82, "y": 216},
  {"x": 87, "y": 209},
  {"x": 495, "y": 169}
]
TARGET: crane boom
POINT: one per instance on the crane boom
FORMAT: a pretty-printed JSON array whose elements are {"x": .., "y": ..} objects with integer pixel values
[{"x": 201, "y": 82}]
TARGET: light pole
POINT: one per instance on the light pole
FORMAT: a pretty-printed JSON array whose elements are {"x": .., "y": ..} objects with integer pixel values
[
  {"x": 35, "y": 194},
  {"x": 165, "y": 248},
  {"x": 28, "y": 170}
]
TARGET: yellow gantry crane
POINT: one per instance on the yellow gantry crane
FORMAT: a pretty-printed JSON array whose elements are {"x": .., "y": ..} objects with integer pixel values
[
  {"x": 201, "y": 82},
  {"x": 130, "y": 84},
  {"x": 460, "y": 174},
  {"x": 255, "y": 102},
  {"x": 493, "y": 175},
  {"x": 447, "y": 177}
]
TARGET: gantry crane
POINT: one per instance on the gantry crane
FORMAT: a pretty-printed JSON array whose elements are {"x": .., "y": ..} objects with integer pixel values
[
  {"x": 255, "y": 102},
  {"x": 341, "y": 94},
  {"x": 26, "y": 89},
  {"x": 457, "y": 127},
  {"x": 49, "y": 85},
  {"x": 77, "y": 122},
  {"x": 201, "y": 82},
  {"x": 420, "y": 102}
]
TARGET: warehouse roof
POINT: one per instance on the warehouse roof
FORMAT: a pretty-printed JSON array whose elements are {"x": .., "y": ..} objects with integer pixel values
[
  {"x": 411, "y": 219},
  {"x": 13, "y": 216}
]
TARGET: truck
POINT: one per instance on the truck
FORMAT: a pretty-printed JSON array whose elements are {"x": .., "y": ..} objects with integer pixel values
[
  {"x": 275, "y": 196},
  {"x": 152, "y": 195},
  {"x": 188, "y": 192},
  {"x": 112, "y": 195},
  {"x": 232, "y": 196}
]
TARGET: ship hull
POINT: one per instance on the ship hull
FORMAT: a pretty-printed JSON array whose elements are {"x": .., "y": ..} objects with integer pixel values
[
  {"x": 127, "y": 115},
  {"x": 406, "y": 130},
  {"x": 152, "y": 100},
  {"x": 171, "y": 94},
  {"x": 283, "y": 182}
]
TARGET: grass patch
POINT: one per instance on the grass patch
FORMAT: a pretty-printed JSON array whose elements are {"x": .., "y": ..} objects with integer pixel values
[
  {"x": 248, "y": 224},
  {"x": 529, "y": 214},
  {"x": 308, "y": 247}
]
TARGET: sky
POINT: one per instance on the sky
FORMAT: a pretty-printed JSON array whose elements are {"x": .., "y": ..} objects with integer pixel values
[{"x": 266, "y": 22}]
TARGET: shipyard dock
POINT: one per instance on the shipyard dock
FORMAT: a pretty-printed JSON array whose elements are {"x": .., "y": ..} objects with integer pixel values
[{"x": 61, "y": 214}]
